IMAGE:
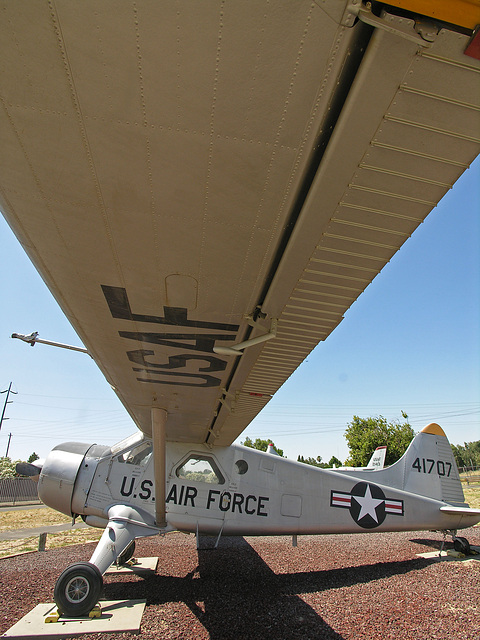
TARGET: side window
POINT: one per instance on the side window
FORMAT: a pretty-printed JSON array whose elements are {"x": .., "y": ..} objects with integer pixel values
[
  {"x": 198, "y": 468},
  {"x": 139, "y": 455}
]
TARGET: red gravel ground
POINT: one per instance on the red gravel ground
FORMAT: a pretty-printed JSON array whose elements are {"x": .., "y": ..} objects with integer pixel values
[{"x": 362, "y": 587}]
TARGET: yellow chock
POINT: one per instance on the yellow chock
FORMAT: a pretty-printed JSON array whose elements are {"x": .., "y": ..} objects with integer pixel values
[
  {"x": 96, "y": 612},
  {"x": 456, "y": 554},
  {"x": 54, "y": 615},
  {"x": 129, "y": 563}
]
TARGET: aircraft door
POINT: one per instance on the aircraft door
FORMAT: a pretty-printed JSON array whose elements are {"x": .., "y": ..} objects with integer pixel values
[
  {"x": 131, "y": 477},
  {"x": 124, "y": 477},
  {"x": 197, "y": 494}
]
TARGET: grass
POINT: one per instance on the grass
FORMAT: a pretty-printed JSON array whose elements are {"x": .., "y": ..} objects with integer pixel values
[
  {"x": 43, "y": 517},
  {"x": 31, "y": 518},
  {"x": 28, "y": 518},
  {"x": 472, "y": 496}
]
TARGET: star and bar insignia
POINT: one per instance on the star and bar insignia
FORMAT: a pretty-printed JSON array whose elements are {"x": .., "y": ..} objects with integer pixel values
[{"x": 367, "y": 504}]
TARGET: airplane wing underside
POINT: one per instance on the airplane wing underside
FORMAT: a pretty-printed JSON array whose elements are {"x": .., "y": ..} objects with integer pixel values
[{"x": 189, "y": 176}]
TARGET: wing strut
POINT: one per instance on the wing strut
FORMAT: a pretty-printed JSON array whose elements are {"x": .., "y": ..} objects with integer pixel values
[
  {"x": 237, "y": 349},
  {"x": 33, "y": 338},
  {"x": 159, "y": 421}
]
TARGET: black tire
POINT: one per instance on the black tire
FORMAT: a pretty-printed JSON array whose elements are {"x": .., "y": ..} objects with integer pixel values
[
  {"x": 462, "y": 545},
  {"x": 77, "y": 590},
  {"x": 127, "y": 553}
]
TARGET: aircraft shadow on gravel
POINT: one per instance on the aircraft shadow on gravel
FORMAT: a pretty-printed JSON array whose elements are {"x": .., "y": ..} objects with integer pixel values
[
  {"x": 432, "y": 544},
  {"x": 235, "y": 594}
]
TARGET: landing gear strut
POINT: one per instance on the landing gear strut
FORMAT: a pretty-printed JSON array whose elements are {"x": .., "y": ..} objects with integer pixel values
[
  {"x": 79, "y": 586},
  {"x": 126, "y": 554},
  {"x": 459, "y": 544}
]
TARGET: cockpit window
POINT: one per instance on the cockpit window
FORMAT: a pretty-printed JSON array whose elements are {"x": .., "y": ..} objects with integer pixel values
[
  {"x": 198, "y": 468},
  {"x": 128, "y": 443},
  {"x": 139, "y": 455}
]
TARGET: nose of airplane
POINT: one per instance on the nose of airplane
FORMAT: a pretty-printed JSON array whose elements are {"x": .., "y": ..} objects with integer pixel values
[{"x": 58, "y": 475}]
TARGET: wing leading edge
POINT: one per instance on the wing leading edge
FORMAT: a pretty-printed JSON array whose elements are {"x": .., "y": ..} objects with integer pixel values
[{"x": 183, "y": 190}]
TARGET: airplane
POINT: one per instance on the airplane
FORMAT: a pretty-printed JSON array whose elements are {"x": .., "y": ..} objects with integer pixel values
[
  {"x": 377, "y": 461},
  {"x": 237, "y": 490},
  {"x": 206, "y": 188}
]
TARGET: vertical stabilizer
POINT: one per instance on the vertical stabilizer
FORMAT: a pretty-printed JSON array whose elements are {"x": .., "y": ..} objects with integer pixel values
[
  {"x": 427, "y": 468},
  {"x": 377, "y": 461},
  {"x": 430, "y": 467}
]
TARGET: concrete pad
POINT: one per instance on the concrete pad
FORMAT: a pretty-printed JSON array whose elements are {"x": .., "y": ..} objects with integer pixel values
[
  {"x": 448, "y": 555},
  {"x": 118, "y": 616},
  {"x": 135, "y": 565}
]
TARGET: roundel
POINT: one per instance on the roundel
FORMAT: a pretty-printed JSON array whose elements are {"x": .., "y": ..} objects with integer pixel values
[{"x": 367, "y": 506}]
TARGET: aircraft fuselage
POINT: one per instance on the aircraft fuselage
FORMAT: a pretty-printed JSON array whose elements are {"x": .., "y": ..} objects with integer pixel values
[{"x": 241, "y": 491}]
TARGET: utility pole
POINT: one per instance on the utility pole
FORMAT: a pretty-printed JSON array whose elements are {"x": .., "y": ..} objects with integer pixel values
[
  {"x": 8, "y": 392},
  {"x": 8, "y": 445}
]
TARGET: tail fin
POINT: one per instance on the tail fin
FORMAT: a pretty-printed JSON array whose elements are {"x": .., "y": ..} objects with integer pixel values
[
  {"x": 271, "y": 449},
  {"x": 429, "y": 468},
  {"x": 377, "y": 461}
]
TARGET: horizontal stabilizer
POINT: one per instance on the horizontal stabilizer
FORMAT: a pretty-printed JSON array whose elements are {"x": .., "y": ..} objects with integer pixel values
[{"x": 460, "y": 511}]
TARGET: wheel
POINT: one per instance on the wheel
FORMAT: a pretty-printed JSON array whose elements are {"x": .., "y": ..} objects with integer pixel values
[
  {"x": 462, "y": 545},
  {"x": 77, "y": 590},
  {"x": 127, "y": 553}
]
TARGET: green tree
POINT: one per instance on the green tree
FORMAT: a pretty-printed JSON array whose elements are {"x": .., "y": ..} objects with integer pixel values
[
  {"x": 261, "y": 445},
  {"x": 334, "y": 462},
  {"x": 364, "y": 435},
  {"x": 314, "y": 462},
  {"x": 317, "y": 462},
  {"x": 33, "y": 457},
  {"x": 467, "y": 455},
  {"x": 7, "y": 468}
]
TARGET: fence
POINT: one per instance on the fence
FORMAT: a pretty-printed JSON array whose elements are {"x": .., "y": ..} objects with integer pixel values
[
  {"x": 470, "y": 469},
  {"x": 17, "y": 491}
]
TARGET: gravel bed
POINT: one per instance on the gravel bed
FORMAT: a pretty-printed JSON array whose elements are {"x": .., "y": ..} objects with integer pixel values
[{"x": 362, "y": 587}]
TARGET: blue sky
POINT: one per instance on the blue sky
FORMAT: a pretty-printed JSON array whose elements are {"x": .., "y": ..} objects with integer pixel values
[{"x": 411, "y": 342}]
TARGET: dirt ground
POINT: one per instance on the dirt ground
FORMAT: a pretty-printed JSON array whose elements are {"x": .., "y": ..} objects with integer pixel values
[{"x": 358, "y": 587}]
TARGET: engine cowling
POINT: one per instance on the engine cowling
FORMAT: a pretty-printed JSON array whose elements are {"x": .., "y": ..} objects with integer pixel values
[{"x": 60, "y": 472}]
